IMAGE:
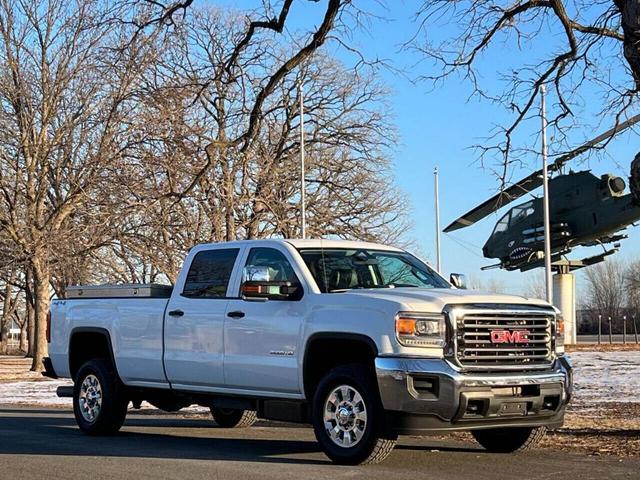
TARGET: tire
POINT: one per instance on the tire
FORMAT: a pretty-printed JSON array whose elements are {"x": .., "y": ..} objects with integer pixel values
[
  {"x": 97, "y": 384},
  {"x": 232, "y": 418},
  {"x": 347, "y": 399},
  {"x": 509, "y": 440}
]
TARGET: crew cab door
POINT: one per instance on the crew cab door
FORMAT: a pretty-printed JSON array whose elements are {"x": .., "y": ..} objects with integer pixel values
[
  {"x": 262, "y": 335},
  {"x": 194, "y": 320}
]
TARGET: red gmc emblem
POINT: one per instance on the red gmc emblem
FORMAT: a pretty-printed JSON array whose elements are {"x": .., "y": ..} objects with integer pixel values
[{"x": 506, "y": 336}]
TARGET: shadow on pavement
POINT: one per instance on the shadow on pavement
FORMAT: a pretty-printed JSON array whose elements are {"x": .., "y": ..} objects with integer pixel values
[
  {"x": 50, "y": 432},
  {"x": 55, "y": 434}
]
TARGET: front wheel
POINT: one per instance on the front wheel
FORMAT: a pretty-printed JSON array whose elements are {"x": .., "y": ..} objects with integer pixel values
[
  {"x": 233, "y": 418},
  {"x": 508, "y": 440},
  {"x": 99, "y": 403},
  {"x": 348, "y": 418}
]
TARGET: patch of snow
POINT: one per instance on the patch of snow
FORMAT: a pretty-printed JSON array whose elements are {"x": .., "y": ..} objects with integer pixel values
[
  {"x": 42, "y": 392},
  {"x": 606, "y": 377},
  {"x": 598, "y": 377}
]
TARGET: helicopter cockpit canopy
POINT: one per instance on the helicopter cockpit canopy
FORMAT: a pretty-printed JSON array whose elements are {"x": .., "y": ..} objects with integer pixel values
[{"x": 513, "y": 216}]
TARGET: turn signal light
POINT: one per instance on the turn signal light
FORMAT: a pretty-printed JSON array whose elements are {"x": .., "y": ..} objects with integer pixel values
[
  {"x": 420, "y": 329},
  {"x": 559, "y": 334},
  {"x": 405, "y": 326}
]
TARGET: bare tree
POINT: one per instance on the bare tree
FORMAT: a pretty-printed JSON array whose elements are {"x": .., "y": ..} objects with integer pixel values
[
  {"x": 606, "y": 290},
  {"x": 491, "y": 285},
  {"x": 227, "y": 64},
  {"x": 255, "y": 193},
  {"x": 632, "y": 288},
  {"x": 536, "y": 285},
  {"x": 65, "y": 94},
  {"x": 580, "y": 49},
  {"x": 126, "y": 142}
]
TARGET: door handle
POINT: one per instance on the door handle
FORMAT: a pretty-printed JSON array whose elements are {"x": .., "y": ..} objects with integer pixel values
[
  {"x": 176, "y": 313},
  {"x": 236, "y": 314}
]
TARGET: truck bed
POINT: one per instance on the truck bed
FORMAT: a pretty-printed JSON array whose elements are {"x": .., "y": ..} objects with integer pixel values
[{"x": 130, "y": 315}]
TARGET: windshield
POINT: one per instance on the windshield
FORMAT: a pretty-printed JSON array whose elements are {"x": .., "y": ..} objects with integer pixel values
[
  {"x": 521, "y": 212},
  {"x": 514, "y": 215},
  {"x": 338, "y": 269},
  {"x": 503, "y": 224}
]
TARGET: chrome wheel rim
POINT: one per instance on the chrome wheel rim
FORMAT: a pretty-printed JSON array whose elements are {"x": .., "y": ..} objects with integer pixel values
[
  {"x": 90, "y": 398},
  {"x": 345, "y": 416}
]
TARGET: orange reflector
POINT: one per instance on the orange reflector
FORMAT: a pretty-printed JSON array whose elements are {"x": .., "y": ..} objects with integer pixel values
[
  {"x": 251, "y": 289},
  {"x": 406, "y": 326},
  {"x": 560, "y": 326}
]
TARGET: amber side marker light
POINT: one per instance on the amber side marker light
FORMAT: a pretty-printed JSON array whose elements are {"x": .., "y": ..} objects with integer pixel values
[{"x": 405, "y": 326}]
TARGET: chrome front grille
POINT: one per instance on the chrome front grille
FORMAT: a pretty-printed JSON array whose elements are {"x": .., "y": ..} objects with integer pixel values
[{"x": 510, "y": 339}]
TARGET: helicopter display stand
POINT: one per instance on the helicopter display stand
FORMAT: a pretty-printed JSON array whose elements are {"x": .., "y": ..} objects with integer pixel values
[
  {"x": 564, "y": 289},
  {"x": 564, "y": 298}
]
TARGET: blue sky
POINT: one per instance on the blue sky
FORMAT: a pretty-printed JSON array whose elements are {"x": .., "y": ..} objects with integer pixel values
[{"x": 438, "y": 127}]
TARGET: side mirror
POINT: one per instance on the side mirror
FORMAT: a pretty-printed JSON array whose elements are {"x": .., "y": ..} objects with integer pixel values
[
  {"x": 458, "y": 280},
  {"x": 257, "y": 284}
]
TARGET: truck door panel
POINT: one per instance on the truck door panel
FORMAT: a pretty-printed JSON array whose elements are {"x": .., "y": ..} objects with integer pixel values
[
  {"x": 194, "y": 320},
  {"x": 261, "y": 347}
]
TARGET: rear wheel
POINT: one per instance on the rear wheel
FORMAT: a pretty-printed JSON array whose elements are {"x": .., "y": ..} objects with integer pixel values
[
  {"x": 233, "y": 418},
  {"x": 348, "y": 418},
  {"x": 508, "y": 440},
  {"x": 99, "y": 403}
]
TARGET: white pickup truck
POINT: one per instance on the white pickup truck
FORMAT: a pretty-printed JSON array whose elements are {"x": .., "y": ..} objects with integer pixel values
[{"x": 363, "y": 341}]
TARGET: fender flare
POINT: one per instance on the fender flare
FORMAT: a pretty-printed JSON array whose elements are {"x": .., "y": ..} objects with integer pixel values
[{"x": 95, "y": 330}]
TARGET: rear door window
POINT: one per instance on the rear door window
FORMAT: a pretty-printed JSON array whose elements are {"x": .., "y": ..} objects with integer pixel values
[{"x": 209, "y": 273}]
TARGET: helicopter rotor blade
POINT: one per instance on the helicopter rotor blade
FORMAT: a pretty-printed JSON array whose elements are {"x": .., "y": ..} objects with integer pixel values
[
  {"x": 498, "y": 201},
  {"x": 562, "y": 159},
  {"x": 534, "y": 180}
]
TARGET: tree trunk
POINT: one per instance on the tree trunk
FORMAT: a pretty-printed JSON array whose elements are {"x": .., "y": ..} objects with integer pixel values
[
  {"x": 41, "y": 281},
  {"x": 229, "y": 203},
  {"x": 630, "y": 13},
  {"x": 630, "y": 17},
  {"x": 5, "y": 320},
  {"x": 24, "y": 344},
  {"x": 4, "y": 340},
  {"x": 30, "y": 313},
  {"x": 634, "y": 179}
]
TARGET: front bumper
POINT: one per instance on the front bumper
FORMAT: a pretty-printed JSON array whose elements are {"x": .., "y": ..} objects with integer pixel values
[{"x": 424, "y": 395}]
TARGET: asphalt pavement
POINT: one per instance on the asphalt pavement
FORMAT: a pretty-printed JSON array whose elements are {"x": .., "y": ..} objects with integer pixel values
[{"x": 46, "y": 444}]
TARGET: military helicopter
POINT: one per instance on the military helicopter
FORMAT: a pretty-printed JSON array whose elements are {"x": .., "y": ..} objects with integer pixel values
[{"x": 585, "y": 210}]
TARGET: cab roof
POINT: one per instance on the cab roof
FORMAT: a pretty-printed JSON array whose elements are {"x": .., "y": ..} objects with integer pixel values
[
  {"x": 314, "y": 243},
  {"x": 321, "y": 243}
]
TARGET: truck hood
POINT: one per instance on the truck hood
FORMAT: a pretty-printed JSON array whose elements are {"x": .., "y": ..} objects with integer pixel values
[{"x": 422, "y": 299}]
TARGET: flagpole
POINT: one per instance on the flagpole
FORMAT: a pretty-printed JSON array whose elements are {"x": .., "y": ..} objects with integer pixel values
[
  {"x": 437, "y": 206},
  {"x": 545, "y": 199},
  {"x": 302, "y": 165}
]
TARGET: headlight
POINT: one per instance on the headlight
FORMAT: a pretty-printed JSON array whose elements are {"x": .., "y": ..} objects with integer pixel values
[
  {"x": 420, "y": 329},
  {"x": 559, "y": 329}
]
